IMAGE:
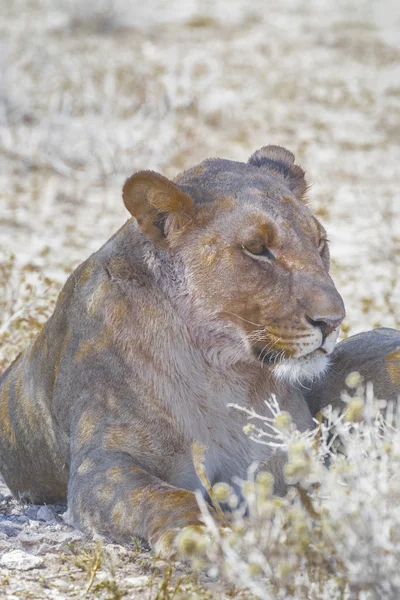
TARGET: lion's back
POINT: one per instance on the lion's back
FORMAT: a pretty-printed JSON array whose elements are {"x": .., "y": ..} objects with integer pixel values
[
  {"x": 34, "y": 444},
  {"x": 47, "y": 389}
]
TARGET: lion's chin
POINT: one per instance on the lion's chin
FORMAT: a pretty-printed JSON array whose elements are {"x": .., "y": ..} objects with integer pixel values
[{"x": 303, "y": 369}]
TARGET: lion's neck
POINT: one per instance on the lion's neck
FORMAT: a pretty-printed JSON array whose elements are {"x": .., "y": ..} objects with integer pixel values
[{"x": 180, "y": 352}]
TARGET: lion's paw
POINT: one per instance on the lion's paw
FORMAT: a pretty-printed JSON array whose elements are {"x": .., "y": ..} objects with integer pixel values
[{"x": 183, "y": 543}]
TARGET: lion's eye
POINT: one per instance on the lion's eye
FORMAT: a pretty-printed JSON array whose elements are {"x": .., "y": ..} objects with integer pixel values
[{"x": 259, "y": 249}]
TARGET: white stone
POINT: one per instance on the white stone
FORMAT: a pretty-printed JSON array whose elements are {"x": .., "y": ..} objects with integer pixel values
[
  {"x": 20, "y": 560},
  {"x": 61, "y": 584},
  {"x": 140, "y": 581},
  {"x": 45, "y": 514}
]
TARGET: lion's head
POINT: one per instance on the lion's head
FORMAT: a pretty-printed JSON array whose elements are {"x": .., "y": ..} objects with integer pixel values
[{"x": 253, "y": 260}]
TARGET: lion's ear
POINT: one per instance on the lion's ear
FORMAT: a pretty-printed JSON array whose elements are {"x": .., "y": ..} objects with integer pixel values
[
  {"x": 158, "y": 205},
  {"x": 280, "y": 162}
]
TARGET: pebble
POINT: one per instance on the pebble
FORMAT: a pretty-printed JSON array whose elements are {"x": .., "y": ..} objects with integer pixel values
[
  {"x": 61, "y": 584},
  {"x": 45, "y": 514},
  {"x": 9, "y": 530},
  {"x": 29, "y": 538},
  {"x": 19, "y": 560},
  {"x": 18, "y": 518},
  {"x": 139, "y": 581},
  {"x": 102, "y": 576},
  {"x": 6, "y": 497},
  {"x": 31, "y": 512}
]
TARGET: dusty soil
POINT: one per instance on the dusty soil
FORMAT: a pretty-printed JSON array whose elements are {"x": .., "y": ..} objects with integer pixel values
[{"x": 91, "y": 91}]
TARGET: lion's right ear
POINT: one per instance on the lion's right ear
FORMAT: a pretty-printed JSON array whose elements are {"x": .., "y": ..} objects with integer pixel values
[
  {"x": 280, "y": 162},
  {"x": 158, "y": 205}
]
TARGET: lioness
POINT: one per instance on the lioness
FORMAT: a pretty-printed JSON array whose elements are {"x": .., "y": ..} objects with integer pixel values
[{"x": 217, "y": 291}]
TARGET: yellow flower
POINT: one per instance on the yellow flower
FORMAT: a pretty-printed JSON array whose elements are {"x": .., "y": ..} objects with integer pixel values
[
  {"x": 247, "y": 429},
  {"x": 222, "y": 491},
  {"x": 264, "y": 484},
  {"x": 353, "y": 379},
  {"x": 283, "y": 421},
  {"x": 192, "y": 541},
  {"x": 355, "y": 410}
]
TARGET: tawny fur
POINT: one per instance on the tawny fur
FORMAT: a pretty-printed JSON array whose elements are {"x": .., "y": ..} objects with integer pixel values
[{"x": 216, "y": 291}]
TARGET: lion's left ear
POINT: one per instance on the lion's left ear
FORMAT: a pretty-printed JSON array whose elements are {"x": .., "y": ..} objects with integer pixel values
[
  {"x": 280, "y": 162},
  {"x": 160, "y": 207}
]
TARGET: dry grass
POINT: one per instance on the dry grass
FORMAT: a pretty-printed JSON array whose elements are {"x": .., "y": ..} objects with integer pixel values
[{"x": 336, "y": 533}]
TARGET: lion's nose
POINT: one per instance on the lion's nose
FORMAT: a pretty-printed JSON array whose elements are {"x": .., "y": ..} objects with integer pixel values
[
  {"x": 322, "y": 305},
  {"x": 325, "y": 325}
]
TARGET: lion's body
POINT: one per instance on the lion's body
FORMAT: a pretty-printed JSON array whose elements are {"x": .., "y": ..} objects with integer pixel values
[
  {"x": 101, "y": 378},
  {"x": 200, "y": 301}
]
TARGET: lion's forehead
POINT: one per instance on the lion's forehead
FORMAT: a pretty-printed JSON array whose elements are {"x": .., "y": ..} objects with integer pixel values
[
  {"x": 271, "y": 223},
  {"x": 239, "y": 192},
  {"x": 217, "y": 178}
]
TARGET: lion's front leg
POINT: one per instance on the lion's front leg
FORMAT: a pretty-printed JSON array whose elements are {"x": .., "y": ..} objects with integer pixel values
[{"x": 110, "y": 495}]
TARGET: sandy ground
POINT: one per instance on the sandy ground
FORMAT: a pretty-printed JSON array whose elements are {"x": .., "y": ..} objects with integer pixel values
[{"x": 91, "y": 91}]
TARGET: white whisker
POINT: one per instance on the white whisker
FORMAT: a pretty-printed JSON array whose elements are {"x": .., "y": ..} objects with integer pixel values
[{"x": 242, "y": 318}]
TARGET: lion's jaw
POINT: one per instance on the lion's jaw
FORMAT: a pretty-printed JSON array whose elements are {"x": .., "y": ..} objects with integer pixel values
[
  {"x": 229, "y": 346},
  {"x": 301, "y": 370},
  {"x": 308, "y": 367},
  {"x": 223, "y": 343}
]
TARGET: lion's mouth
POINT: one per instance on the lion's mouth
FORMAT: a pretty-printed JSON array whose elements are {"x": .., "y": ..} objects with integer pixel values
[
  {"x": 267, "y": 354},
  {"x": 273, "y": 358}
]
